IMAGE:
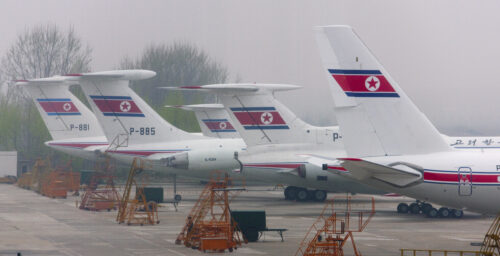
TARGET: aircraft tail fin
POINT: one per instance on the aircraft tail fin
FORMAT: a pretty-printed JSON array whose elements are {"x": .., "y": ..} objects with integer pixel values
[
  {"x": 65, "y": 116},
  {"x": 376, "y": 117},
  {"x": 257, "y": 115},
  {"x": 125, "y": 117},
  {"x": 213, "y": 119}
]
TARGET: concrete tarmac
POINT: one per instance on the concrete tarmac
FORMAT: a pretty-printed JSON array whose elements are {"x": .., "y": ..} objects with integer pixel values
[{"x": 37, "y": 225}]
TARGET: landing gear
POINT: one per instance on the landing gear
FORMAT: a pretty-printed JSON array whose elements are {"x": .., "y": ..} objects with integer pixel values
[
  {"x": 403, "y": 208},
  {"x": 457, "y": 213},
  {"x": 290, "y": 193},
  {"x": 415, "y": 208},
  {"x": 302, "y": 194},
  {"x": 432, "y": 213},
  {"x": 444, "y": 212},
  {"x": 319, "y": 195},
  {"x": 426, "y": 208},
  {"x": 429, "y": 211}
]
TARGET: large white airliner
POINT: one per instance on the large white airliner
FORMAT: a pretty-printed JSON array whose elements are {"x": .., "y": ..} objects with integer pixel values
[
  {"x": 392, "y": 146},
  {"x": 280, "y": 142}
]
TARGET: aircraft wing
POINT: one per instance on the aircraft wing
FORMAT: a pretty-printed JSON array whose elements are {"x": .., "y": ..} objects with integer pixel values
[
  {"x": 399, "y": 174},
  {"x": 297, "y": 169},
  {"x": 328, "y": 164}
]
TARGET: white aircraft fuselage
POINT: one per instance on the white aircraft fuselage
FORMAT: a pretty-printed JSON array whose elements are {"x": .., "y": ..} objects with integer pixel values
[{"x": 468, "y": 178}]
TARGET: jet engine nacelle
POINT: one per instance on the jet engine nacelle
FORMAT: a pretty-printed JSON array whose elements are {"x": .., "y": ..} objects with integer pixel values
[{"x": 202, "y": 160}]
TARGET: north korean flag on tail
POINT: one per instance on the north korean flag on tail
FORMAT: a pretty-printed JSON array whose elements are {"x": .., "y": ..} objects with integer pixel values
[
  {"x": 363, "y": 83},
  {"x": 59, "y": 107},
  {"x": 117, "y": 106},
  {"x": 219, "y": 125},
  {"x": 256, "y": 118}
]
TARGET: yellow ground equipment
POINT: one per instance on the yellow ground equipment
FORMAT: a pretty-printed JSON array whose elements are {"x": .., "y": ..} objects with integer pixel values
[
  {"x": 96, "y": 197},
  {"x": 8, "y": 180},
  {"x": 340, "y": 218},
  {"x": 137, "y": 210},
  {"x": 209, "y": 226},
  {"x": 491, "y": 243}
]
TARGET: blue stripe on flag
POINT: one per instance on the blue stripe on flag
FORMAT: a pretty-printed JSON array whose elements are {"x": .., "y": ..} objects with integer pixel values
[{"x": 354, "y": 72}]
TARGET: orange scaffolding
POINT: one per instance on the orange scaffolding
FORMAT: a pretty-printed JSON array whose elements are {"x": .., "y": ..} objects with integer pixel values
[
  {"x": 340, "y": 218},
  {"x": 209, "y": 225},
  {"x": 96, "y": 197}
]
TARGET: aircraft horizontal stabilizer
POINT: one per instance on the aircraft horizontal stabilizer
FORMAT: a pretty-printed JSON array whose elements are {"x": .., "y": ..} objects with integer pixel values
[
  {"x": 237, "y": 88},
  {"x": 397, "y": 174},
  {"x": 55, "y": 80},
  {"x": 197, "y": 107},
  {"x": 131, "y": 75}
]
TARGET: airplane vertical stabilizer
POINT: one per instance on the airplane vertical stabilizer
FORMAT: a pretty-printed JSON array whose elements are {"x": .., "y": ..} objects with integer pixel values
[
  {"x": 65, "y": 116},
  {"x": 213, "y": 119},
  {"x": 376, "y": 117},
  {"x": 125, "y": 117},
  {"x": 258, "y": 116}
]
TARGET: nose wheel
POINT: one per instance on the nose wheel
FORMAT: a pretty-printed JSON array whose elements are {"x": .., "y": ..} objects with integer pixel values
[{"x": 428, "y": 210}]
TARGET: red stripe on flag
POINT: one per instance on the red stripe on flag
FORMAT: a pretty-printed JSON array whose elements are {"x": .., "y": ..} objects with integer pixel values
[
  {"x": 356, "y": 83},
  {"x": 114, "y": 106},
  {"x": 217, "y": 125},
  {"x": 254, "y": 118},
  {"x": 59, "y": 106}
]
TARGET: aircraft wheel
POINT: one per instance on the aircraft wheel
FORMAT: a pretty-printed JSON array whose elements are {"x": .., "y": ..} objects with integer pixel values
[
  {"x": 290, "y": 193},
  {"x": 319, "y": 195},
  {"x": 414, "y": 208},
  {"x": 403, "y": 208},
  {"x": 444, "y": 212},
  {"x": 426, "y": 207},
  {"x": 457, "y": 213},
  {"x": 302, "y": 194},
  {"x": 433, "y": 213}
]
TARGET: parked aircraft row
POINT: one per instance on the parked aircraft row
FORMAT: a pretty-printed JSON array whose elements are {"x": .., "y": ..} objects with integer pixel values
[{"x": 383, "y": 142}]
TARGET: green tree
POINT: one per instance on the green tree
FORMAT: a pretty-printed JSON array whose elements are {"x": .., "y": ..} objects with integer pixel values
[{"x": 40, "y": 51}]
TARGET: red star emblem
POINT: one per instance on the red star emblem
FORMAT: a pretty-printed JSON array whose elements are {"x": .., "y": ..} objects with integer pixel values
[
  {"x": 372, "y": 83},
  {"x": 267, "y": 117}
]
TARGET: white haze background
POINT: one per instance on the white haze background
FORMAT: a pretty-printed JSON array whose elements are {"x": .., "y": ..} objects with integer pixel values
[{"x": 444, "y": 54}]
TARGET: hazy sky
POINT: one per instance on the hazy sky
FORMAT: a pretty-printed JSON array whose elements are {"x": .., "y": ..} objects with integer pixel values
[{"x": 444, "y": 54}]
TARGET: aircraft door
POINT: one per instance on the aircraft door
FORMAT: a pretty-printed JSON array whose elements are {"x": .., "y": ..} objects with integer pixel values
[{"x": 464, "y": 181}]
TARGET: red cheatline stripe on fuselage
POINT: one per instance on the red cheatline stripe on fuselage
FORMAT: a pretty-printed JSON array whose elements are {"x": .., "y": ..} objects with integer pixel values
[
  {"x": 144, "y": 152},
  {"x": 276, "y": 165},
  {"x": 453, "y": 177},
  {"x": 78, "y": 145}
]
